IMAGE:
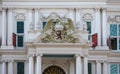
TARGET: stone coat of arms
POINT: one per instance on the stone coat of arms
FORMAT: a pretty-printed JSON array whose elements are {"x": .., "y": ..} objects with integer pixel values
[{"x": 58, "y": 31}]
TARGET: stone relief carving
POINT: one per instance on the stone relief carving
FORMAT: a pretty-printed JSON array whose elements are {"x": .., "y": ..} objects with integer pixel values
[
  {"x": 117, "y": 18},
  {"x": 31, "y": 26},
  {"x": 87, "y": 16},
  {"x": 114, "y": 19},
  {"x": 58, "y": 31},
  {"x": 20, "y": 16},
  {"x": 38, "y": 26}
]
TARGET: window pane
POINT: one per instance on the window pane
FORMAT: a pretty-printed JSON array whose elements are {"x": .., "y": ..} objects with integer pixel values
[
  {"x": 20, "y": 27},
  {"x": 20, "y": 67},
  {"x": 20, "y": 41},
  {"x": 113, "y": 69},
  {"x": 44, "y": 23},
  {"x": 89, "y": 68},
  {"x": 113, "y": 30},
  {"x": 114, "y": 43},
  {"x": 89, "y": 27}
]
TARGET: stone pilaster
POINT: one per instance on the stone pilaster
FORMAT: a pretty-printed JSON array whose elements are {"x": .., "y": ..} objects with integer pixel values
[
  {"x": 78, "y": 64},
  {"x": 10, "y": 29},
  {"x": 31, "y": 64},
  {"x": 105, "y": 67},
  {"x": 85, "y": 64},
  {"x": 4, "y": 67},
  {"x": 39, "y": 65},
  {"x": 10, "y": 67},
  {"x": 98, "y": 26},
  {"x": 104, "y": 29},
  {"x": 3, "y": 28},
  {"x": 98, "y": 67}
]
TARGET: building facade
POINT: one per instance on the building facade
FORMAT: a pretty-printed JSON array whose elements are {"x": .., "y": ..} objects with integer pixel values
[{"x": 60, "y": 37}]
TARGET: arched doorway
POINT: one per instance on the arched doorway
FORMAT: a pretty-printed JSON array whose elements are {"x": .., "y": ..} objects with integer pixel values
[{"x": 54, "y": 70}]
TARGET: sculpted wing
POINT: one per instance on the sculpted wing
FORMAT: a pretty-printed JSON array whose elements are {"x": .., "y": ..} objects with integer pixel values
[
  {"x": 70, "y": 24},
  {"x": 48, "y": 25}
]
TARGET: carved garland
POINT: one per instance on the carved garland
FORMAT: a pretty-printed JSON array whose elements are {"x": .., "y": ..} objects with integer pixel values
[{"x": 114, "y": 19}]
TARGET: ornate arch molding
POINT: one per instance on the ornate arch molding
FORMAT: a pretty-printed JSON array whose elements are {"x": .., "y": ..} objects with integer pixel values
[{"x": 55, "y": 64}]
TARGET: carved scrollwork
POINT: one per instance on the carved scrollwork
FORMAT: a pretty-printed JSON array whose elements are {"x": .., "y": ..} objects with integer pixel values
[
  {"x": 87, "y": 17},
  {"x": 117, "y": 18},
  {"x": 114, "y": 19},
  {"x": 20, "y": 16}
]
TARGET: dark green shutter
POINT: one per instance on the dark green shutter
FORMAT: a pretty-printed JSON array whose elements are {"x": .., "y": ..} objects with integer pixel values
[
  {"x": 20, "y": 67},
  {"x": 20, "y": 27},
  {"x": 89, "y": 68}
]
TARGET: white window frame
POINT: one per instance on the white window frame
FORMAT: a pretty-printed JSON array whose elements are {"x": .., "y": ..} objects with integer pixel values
[
  {"x": 117, "y": 37},
  {"x": 19, "y": 34},
  {"x": 91, "y": 31},
  {"x": 118, "y": 67}
]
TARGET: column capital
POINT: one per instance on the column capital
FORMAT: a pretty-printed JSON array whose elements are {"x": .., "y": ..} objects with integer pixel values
[
  {"x": 29, "y": 9},
  {"x": 10, "y": 60},
  {"x": 85, "y": 55},
  {"x": 104, "y": 9},
  {"x": 99, "y": 61},
  {"x": 4, "y": 60},
  {"x": 97, "y": 9},
  {"x": 31, "y": 55},
  {"x": 36, "y": 9},
  {"x": 39, "y": 54},
  {"x": 77, "y": 55},
  {"x": 4, "y": 9},
  {"x": 78, "y": 9},
  {"x": 10, "y": 9},
  {"x": 105, "y": 61},
  {"x": 70, "y": 10}
]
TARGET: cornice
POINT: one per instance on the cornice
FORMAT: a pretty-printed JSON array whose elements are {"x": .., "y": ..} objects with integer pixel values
[
  {"x": 54, "y": 4},
  {"x": 13, "y": 52},
  {"x": 108, "y": 53},
  {"x": 57, "y": 45}
]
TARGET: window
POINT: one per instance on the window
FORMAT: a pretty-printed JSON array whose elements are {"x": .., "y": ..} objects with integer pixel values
[
  {"x": 43, "y": 24},
  {"x": 89, "y": 68},
  {"x": 20, "y": 34},
  {"x": 20, "y": 67},
  {"x": 89, "y": 30},
  {"x": 115, "y": 36},
  {"x": 20, "y": 27},
  {"x": 114, "y": 68}
]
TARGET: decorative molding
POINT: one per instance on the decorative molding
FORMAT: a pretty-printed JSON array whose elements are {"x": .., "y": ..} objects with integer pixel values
[
  {"x": 114, "y": 19},
  {"x": 87, "y": 17},
  {"x": 31, "y": 26},
  {"x": 39, "y": 54},
  {"x": 117, "y": 18},
  {"x": 31, "y": 55},
  {"x": 20, "y": 16}
]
